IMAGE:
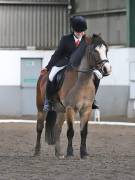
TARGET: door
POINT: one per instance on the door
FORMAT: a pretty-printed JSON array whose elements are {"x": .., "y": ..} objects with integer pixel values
[{"x": 30, "y": 69}]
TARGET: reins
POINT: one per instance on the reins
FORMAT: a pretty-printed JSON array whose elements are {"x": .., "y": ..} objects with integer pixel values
[
  {"x": 85, "y": 71},
  {"x": 91, "y": 69}
]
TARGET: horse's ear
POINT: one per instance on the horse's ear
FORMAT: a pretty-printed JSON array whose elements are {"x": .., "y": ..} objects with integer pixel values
[{"x": 94, "y": 35}]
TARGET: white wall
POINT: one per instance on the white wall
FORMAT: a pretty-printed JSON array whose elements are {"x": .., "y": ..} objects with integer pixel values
[
  {"x": 116, "y": 86},
  {"x": 10, "y": 65},
  {"x": 119, "y": 59}
]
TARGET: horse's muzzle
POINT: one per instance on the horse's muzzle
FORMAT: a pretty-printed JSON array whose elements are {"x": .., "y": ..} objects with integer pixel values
[{"x": 107, "y": 69}]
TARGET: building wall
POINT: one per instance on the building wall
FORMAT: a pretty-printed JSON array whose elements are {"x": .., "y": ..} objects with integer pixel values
[
  {"x": 95, "y": 5},
  {"x": 38, "y": 24},
  {"x": 106, "y": 17},
  {"x": 11, "y": 90},
  {"x": 112, "y": 28},
  {"x": 112, "y": 95}
]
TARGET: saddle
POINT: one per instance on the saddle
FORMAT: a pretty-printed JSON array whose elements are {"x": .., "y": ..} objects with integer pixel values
[{"x": 59, "y": 78}]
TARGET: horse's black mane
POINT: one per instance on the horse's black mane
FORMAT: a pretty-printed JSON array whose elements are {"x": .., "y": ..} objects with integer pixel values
[{"x": 93, "y": 42}]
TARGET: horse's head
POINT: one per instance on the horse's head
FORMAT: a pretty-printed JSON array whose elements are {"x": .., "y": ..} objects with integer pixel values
[{"x": 98, "y": 50}]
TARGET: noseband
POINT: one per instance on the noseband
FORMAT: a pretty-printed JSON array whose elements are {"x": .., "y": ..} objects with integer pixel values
[
  {"x": 102, "y": 63},
  {"x": 100, "y": 66}
]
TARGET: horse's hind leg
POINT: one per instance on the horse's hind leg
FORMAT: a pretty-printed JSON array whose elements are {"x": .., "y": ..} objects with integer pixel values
[
  {"x": 83, "y": 130},
  {"x": 58, "y": 128},
  {"x": 70, "y": 130},
  {"x": 40, "y": 125}
]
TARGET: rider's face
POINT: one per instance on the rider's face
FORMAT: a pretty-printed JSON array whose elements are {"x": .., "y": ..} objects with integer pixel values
[{"x": 79, "y": 34}]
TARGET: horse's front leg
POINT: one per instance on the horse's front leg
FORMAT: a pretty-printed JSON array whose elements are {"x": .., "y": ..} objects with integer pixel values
[
  {"x": 70, "y": 130},
  {"x": 58, "y": 128},
  {"x": 40, "y": 125},
  {"x": 84, "y": 115}
]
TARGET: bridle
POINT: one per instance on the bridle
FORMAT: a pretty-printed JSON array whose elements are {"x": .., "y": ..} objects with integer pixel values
[{"x": 99, "y": 66}]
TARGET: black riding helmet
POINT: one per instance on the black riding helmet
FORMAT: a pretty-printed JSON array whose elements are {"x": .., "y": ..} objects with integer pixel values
[{"x": 78, "y": 23}]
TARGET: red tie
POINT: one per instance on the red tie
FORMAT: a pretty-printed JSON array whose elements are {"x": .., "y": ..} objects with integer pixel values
[{"x": 77, "y": 42}]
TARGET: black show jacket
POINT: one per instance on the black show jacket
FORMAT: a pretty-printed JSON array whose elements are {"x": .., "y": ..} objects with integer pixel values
[{"x": 64, "y": 51}]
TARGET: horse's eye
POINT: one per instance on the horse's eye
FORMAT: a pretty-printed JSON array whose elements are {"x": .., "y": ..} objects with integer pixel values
[{"x": 95, "y": 50}]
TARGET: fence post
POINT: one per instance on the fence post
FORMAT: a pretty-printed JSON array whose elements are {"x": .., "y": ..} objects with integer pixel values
[{"x": 97, "y": 115}]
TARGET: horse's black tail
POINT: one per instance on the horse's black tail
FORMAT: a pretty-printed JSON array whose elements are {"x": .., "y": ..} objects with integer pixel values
[{"x": 49, "y": 128}]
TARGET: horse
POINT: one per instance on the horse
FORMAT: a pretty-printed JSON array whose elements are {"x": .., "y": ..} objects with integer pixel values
[{"x": 76, "y": 95}]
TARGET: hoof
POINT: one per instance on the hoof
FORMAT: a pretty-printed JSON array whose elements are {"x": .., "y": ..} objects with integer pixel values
[
  {"x": 70, "y": 152},
  {"x": 61, "y": 156},
  {"x": 84, "y": 155},
  {"x": 83, "y": 152},
  {"x": 37, "y": 151}
]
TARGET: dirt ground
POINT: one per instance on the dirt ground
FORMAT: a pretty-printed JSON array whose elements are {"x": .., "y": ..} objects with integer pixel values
[{"x": 111, "y": 149}]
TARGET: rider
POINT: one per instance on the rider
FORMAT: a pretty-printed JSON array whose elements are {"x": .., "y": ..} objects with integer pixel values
[{"x": 61, "y": 57}]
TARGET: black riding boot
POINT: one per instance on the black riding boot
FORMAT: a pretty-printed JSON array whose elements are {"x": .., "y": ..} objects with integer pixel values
[
  {"x": 96, "y": 83},
  {"x": 48, "y": 104}
]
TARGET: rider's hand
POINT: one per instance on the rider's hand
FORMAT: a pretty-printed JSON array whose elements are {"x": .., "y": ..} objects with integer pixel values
[{"x": 43, "y": 71}]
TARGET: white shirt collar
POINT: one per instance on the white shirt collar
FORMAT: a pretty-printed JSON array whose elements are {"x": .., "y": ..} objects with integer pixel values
[{"x": 76, "y": 39}]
